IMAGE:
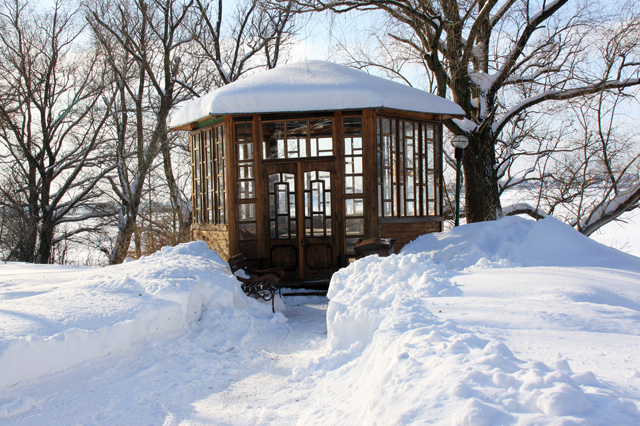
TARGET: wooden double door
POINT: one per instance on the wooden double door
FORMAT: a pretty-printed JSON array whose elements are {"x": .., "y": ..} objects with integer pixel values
[{"x": 301, "y": 208}]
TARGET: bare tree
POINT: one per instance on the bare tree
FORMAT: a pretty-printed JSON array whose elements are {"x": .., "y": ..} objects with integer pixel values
[
  {"x": 500, "y": 60},
  {"x": 52, "y": 115},
  {"x": 144, "y": 41},
  {"x": 253, "y": 38},
  {"x": 596, "y": 176},
  {"x": 160, "y": 53}
]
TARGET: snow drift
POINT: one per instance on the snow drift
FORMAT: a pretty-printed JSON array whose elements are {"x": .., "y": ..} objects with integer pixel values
[
  {"x": 56, "y": 325},
  {"x": 393, "y": 357}
]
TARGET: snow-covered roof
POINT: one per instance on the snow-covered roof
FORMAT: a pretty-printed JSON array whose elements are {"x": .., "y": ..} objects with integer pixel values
[{"x": 311, "y": 86}]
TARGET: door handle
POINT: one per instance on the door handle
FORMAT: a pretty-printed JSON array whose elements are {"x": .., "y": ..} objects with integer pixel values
[{"x": 304, "y": 243}]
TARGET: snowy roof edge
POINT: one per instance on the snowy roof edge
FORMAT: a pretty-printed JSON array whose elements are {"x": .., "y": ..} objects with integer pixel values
[{"x": 311, "y": 86}]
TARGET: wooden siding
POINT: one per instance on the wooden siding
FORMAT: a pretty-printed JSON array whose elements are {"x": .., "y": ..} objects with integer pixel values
[{"x": 405, "y": 232}]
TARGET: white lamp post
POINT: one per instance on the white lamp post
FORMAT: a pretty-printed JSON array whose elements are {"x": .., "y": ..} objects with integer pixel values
[{"x": 459, "y": 142}]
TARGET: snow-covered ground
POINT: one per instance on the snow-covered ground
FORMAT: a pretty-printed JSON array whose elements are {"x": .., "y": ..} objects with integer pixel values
[{"x": 508, "y": 322}]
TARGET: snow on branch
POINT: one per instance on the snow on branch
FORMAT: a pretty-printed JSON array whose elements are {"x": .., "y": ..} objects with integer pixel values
[
  {"x": 523, "y": 208},
  {"x": 557, "y": 95},
  {"x": 609, "y": 210}
]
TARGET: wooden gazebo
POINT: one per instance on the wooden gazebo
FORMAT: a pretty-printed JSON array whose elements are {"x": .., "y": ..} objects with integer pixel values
[{"x": 293, "y": 165}]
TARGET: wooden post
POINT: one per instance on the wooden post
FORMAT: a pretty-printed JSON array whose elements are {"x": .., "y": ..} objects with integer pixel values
[
  {"x": 337, "y": 189},
  {"x": 231, "y": 190},
  {"x": 369, "y": 154}
]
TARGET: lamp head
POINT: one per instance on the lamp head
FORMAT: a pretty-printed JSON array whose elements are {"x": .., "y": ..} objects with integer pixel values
[{"x": 460, "y": 141}]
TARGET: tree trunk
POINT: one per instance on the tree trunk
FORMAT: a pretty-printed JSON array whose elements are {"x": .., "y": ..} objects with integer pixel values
[
  {"x": 481, "y": 180},
  {"x": 45, "y": 246},
  {"x": 184, "y": 220},
  {"x": 31, "y": 239},
  {"x": 123, "y": 240}
]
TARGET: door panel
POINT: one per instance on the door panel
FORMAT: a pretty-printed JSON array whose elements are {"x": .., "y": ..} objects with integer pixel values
[
  {"x": 282, "y": 206},
  {"x": 286, "y": 257},
  {"x": 318, "y": 243},
  {"x": 301, "y": 219}
]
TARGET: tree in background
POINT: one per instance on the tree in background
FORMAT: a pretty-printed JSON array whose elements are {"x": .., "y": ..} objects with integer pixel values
[
  {"x": 160, "y": 53},
  {"x": 502, "y": 62},
  {"x": 594, "y": 175},
  {"x": 52, "y": 111},
  {"x": 255, "y": 38},
  {"x": 144, "y": 42}
]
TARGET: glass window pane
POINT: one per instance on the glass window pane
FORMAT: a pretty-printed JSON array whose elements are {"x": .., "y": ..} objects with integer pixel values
[
  {"x": 349, "y": 207},
  {"x": 358, "y": 185},
  {"x": 355, "y": 226},
  {"x": 348, "y": 165},
  {"x": 351, "y": 243},
  {"x": 273, "y": 179},
  {"x": 247, "y": 211},
  {"x": 325, "y": 144},
  {"x": 429, "y": 155},
  {"x": 245, "y": 151},
  {"x": 430, "y": 132},
  {"x": 387, "y": 208},
  {"x": 245, "y": 171},
  {"x": 359, "y": 206},
  {"x": 385, "y": 126},
  {"x": 283, "y": 227},
  {"x": 321, "y": 127},
  {"x": 352, "y": 126},
  {"x": 410, "y": 209},
  {"x": 354, "y": 206},
  {"x": 410, "y": 187},
  {"x": 292, "y": 205},
  {"x": 244, "y": 132},
  {"x": 408, "y": 129},
  {"x": 282, "y": 205},
  {"x": 357, "y": 164},
  {"x": 409, "y": 154},
  {"x": 432, "y": 208},
  {"x": 430, "y": 187},
  {"x": 273, "y": 139},
  {"x": 297, "y": 129},
  {"x": 293, "y": 148},
  {"x": 357, "y": 144},
  {"x": 247, "y": 231},
  {"x": 246, "y": 189},
  {"x": 349, "y": 187},
  {"x": 318, "y": 225}
]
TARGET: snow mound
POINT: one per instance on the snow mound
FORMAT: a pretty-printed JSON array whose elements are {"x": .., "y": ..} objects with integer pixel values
[
  {"x": 51, "y": 324},
  {"x": 311, "y": 86},
  {"x": 393, "y": 357},
  {"x": 514, "y": 241}
]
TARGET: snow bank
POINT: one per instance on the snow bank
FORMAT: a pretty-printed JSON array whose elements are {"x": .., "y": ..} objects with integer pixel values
[
  {"x": 394, "y": 358},
  {"x": 51, "y": 322},
  {"x": 514, "y": 241}
]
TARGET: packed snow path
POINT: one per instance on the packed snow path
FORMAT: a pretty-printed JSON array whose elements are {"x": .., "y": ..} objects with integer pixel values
[{"x": 202, "y": 377}]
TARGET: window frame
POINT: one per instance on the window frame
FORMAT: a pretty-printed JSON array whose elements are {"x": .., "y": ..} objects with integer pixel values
[{"x": 408, "y": 188}]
